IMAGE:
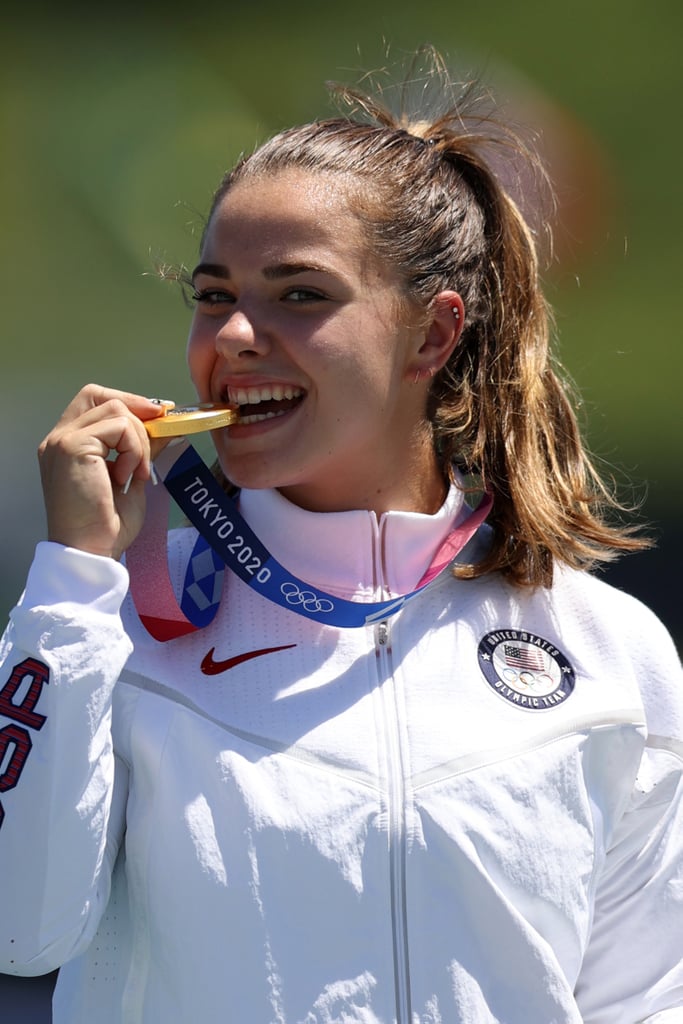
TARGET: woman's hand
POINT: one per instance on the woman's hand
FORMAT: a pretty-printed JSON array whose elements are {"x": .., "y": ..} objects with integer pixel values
[{"x": 93, "y": 465}]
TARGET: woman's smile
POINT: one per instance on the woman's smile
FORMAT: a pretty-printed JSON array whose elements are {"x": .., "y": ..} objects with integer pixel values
[{"x": 299, "y": 325}]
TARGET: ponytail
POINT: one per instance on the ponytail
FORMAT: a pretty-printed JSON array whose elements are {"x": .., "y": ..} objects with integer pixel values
[
  {"x": 500, "y": 409},
  {"x": 503, "y": 410}
]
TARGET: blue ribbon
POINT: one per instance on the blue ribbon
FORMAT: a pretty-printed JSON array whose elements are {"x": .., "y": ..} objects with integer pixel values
[{"x": 227, "y": 539}]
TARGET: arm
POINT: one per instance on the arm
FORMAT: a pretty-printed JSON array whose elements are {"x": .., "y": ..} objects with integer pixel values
[
  {"x": 633, "y": 967},
  {"x": 62, "y": 790}
]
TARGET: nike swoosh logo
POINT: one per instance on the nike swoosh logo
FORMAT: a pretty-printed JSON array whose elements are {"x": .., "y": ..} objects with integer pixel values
[{"x": 213, "y": 668}]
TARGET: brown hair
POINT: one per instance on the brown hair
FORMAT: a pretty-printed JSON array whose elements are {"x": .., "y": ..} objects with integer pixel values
[{"x": 501, "y": 412}]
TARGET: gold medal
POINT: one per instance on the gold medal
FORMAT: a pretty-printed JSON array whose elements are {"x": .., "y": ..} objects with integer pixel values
[{"x": 192, "y": 419}]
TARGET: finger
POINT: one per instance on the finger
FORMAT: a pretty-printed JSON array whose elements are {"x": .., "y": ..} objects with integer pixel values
[
  {"x": 99, "y": 432},
  {"x": 125, "y": 438},
  {"x": 152, "y": 448},
  {"x": 93, "y": 396}
]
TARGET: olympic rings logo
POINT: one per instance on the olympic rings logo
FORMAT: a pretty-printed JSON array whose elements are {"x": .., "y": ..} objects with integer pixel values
[{"x": 306, "y": 598}]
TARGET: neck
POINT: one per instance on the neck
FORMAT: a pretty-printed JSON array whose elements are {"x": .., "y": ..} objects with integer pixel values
[{"x": 418, "y": 485}]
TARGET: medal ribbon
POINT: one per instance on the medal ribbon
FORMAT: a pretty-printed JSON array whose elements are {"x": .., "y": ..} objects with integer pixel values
[{"x": 225, "y": 539}]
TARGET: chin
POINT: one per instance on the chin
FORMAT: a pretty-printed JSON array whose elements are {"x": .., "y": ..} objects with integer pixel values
[{"x": 251, "y": 478}]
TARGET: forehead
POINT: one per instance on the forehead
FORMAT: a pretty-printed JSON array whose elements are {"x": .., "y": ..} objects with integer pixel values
[{"x": 289, "y": 209}]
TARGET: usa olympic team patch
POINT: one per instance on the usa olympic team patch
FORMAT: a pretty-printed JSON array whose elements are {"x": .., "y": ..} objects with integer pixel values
[{"x": 525, "y": 669}]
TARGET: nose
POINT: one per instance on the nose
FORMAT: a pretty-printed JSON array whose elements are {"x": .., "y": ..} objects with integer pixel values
[{"x": 239, "y": 336}]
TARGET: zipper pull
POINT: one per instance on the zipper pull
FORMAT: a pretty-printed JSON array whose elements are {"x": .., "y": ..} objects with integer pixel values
[{"x": 382, "y": 633}]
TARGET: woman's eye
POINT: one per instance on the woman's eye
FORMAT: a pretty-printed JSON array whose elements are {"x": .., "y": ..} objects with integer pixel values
[
  {"x": 211, "y": 297},
  {"x": 303, "y": 295}
]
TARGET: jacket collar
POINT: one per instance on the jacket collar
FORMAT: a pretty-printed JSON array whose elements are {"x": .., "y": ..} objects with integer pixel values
[{"x": 351, "y": 554}]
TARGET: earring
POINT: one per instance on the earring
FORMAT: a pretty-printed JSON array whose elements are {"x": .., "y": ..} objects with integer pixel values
[
  {"x": 456, "y": 312},
  {"x": 419, "y": 374}
]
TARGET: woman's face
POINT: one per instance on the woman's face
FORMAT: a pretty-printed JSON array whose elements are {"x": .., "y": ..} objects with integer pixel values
[{"x": 297, "y": 323}]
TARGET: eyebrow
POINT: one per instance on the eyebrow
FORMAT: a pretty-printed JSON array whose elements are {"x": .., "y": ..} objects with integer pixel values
[
  {"x": 210, "y": 269},
  {"x": 273, "y": 273}
]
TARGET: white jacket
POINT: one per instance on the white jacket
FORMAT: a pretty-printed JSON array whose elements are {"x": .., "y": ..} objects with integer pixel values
[{"x": 471, "y": 813}]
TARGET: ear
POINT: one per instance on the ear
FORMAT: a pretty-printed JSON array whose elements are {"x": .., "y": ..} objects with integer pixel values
[{"x": 440, "y": 337}]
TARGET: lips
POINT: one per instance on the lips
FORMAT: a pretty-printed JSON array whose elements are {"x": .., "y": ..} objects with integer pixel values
[{"x": 264, "y": 402}]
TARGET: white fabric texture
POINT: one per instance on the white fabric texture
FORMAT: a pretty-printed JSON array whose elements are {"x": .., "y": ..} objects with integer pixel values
[{"x": 350, "y": 826}]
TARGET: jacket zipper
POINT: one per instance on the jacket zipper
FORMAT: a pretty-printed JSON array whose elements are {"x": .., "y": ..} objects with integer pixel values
[{"x": 396, "y": 809}]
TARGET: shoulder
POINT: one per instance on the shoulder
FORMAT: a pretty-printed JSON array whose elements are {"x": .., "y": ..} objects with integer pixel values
[
  {"x": 618, "y": 649},
  {"x": 606, "y": 610},
  {"x": 620, "y": 629}
]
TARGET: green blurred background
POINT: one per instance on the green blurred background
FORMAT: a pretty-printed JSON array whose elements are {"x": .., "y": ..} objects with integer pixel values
[{"x": 117, "y": 124}]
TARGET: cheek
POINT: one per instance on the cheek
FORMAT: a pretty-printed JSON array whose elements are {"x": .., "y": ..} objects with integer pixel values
[{"x": 199, "y": 358}]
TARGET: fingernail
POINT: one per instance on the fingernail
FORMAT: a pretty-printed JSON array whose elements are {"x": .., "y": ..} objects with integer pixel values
[{"x": 163, "y": 401}]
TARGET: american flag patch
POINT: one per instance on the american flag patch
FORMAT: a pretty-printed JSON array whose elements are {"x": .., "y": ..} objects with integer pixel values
[
  {"x": 525, "y": 669},
  {"x": 524, "y": 657}
]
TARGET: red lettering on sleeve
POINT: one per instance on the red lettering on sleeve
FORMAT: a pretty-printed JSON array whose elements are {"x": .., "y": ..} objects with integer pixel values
[
  {"x": 23, "y": 711},
  {"x": 16, "y": 739}
]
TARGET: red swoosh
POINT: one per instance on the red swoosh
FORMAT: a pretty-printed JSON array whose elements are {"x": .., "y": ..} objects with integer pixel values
[{"x": 213, "y": 668}]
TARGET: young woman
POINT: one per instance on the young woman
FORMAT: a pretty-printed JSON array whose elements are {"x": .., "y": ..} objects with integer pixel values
[{"x": 378, "y": 789}]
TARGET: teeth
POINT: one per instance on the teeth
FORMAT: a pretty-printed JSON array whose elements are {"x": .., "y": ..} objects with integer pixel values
[
  {"x": 252, "y": 396},
  {"x": 257, "y": 417}
]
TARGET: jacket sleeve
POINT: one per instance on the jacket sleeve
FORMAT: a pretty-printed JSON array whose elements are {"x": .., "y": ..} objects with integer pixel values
[
  {"x": 62, "y": 789},
  {"x": 633, "y": 967}
]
